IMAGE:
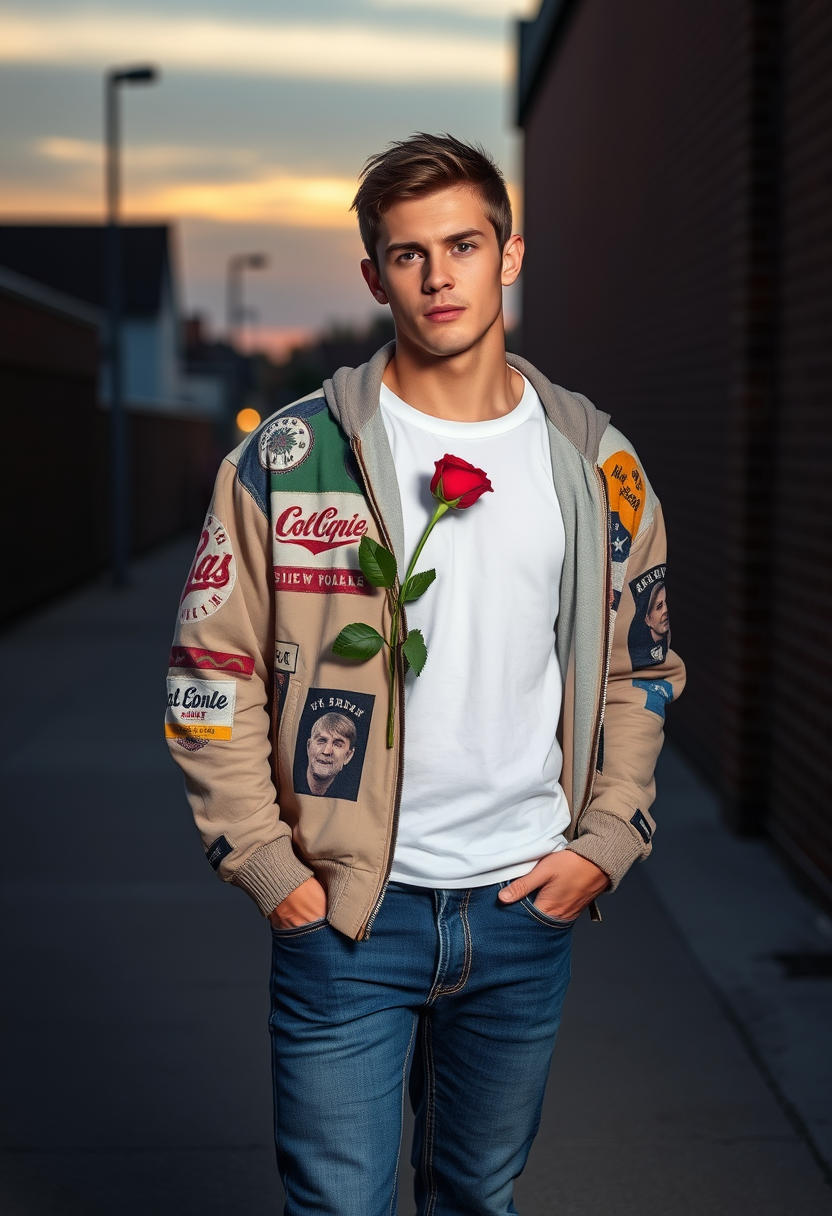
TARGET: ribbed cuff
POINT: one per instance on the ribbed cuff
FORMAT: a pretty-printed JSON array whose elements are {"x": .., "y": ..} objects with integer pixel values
[
  {"x": 610, "y": 842},
  {"x": 271, "y": 873}
]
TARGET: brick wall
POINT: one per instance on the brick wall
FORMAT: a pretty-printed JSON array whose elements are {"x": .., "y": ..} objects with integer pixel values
[
  {"x": 670, "y": 214},
  {"x": 55, "y": 493}
]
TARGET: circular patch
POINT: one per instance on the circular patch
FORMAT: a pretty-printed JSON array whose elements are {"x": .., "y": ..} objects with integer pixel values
[
  {"x": 284, "y": 444},
  {"x": 212, "y": 576}
]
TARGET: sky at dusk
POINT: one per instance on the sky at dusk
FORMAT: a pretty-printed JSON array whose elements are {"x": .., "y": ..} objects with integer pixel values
[{"x": 253, "y": 137}]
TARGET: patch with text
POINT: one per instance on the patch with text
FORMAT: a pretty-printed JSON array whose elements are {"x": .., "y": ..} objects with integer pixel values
[
  {"x": 284, "y": 443},
  {"x": 286, "y": 656},
  {"x": 212, "y": 576},
  {"x": 315, "y": 543},
  {"x": 200, "y": 709},
  {"x": 332, "y": 741},
  {"x": 648, "y": 638}
]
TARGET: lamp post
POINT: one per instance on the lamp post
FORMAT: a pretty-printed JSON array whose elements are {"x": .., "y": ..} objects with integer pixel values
[
  {"x": 118, "y": 432},
  {"x": 234, "y": 311}
]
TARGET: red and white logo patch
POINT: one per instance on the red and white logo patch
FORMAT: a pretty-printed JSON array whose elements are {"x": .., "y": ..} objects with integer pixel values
[
  {"x": 316, "y": 539},
  {"x": 212, "y": 576}
]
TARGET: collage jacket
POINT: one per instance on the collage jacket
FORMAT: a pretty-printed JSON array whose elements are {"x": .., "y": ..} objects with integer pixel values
[{"x": 276, "y": 577}]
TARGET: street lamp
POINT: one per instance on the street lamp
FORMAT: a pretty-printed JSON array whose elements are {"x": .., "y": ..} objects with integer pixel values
[
  {"x": 118, "y": 432},
  {"x": 234, "y": 311},
  {"x": 234, "y": 289}
]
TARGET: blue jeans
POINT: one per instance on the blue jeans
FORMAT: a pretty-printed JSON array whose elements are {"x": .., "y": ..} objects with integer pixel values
[{"x": 466, "y": 990}]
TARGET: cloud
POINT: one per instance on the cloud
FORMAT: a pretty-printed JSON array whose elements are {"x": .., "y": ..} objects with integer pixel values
[
  {"x": 347, "y": 52},
  {"x": 147, "y": 156}
]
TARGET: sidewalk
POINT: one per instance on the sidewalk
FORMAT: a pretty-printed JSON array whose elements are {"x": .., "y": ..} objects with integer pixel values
[{"x": 136, "y": 1071}]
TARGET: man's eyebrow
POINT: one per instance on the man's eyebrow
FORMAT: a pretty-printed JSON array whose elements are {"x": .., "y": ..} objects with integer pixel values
[{"x": 453, "y": 239}]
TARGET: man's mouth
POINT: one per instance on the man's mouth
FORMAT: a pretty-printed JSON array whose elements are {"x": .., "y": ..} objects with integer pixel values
[{"x": 444, "y": 312}]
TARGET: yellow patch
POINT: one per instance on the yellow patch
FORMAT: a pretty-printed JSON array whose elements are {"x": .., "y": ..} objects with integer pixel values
[{"x": 626, "y": 489}]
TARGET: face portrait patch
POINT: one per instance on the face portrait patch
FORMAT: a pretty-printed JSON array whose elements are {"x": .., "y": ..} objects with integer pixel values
[
  {"x": 201, "y": 710},
  {"x": 212, "y": 576},
  {"x": 315, "y": 543},
  {"x": 332, "y": 741},
  {"x": 284, "y": 444},
  {"x": 648, "y": 639}
]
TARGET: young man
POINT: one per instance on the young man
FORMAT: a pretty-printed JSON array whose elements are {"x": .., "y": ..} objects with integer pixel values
[{"x": 422, "y": 917}]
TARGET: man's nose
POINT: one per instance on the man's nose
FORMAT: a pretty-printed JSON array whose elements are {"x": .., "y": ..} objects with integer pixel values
[{"x": 437, "y": 275}]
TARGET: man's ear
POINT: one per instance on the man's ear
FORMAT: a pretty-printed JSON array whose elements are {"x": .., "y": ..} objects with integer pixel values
[
  {"x": 373, "y": 280},
  {"x": 513, "y": 252},
  {"x": 349, "y": 757}
]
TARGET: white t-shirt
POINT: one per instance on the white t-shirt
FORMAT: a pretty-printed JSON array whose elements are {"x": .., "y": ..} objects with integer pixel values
[{"x": 481, "y": 798}]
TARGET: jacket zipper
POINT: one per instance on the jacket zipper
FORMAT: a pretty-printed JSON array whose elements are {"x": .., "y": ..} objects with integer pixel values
[
  {"x": 602, "y": 693},
  {"x": 364, "y": 933}
]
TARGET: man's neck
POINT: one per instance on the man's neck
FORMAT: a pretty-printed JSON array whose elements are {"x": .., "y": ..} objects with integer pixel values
[{"x": 474, "y": 386}]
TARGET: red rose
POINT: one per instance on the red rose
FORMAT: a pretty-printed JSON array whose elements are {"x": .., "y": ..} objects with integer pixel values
[{"x": 457, "y": 479}]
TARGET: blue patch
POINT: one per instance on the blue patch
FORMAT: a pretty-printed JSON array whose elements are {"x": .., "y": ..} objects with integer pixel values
[
  {"x": 218, "y": 850},
  {"x": 253, "y": 477},
  {"x": 620, "y": 539},
  {"x": 616, "y": 600},
  {"x": 659, "y": 694},
  {"x": 642, "y": 826}
]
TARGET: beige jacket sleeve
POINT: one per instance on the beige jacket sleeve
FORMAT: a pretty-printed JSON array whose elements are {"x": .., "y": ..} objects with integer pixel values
[
  {"x": 218, "y": 721},
  {"x": 645, "y": 676}
]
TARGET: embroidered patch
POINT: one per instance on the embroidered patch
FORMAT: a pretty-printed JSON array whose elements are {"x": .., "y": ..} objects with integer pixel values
[
  {"x": 200, "y": 709},
  {"x": 620, "y": 539},
  {"x": 218, "y": 850},
  {"x": 191, "y": 745},
  {"x": 215, "y": 660},
  {"x": 286, "y": 657},
  {"x": 316, "y": 539},
  {"x": 659, "y": 694},
  {"x": 212, "y": 575},
  {"x": 332, "y": 741},
  {"x": 284, "y": 444},
  {"x": 626, "y": 489},
  {"x": 648, "y": 638},
  {"x": 642, "y": 827}
]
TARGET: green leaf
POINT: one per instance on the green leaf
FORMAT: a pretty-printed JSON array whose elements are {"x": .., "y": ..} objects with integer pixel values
[
  {"x": 358, "y": 641},
  {"x": 415, "y": 650},
  {"x": 377, "y": 563},
  {"x": 417, "y": 585}
]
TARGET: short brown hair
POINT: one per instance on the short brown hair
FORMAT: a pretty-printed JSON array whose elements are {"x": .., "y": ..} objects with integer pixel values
[
  {"x": 423, "y": 164},
  {"x": 337, "y": 724}
]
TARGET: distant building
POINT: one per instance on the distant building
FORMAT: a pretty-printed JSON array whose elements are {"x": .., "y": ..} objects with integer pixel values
[
  {"x": 71, "y": 258},
  {"x": 678, "y": 217}
]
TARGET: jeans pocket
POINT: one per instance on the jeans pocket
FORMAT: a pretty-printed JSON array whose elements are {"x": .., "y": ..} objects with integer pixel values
[
  {"x": 554, "y": 922},
  {"x": 298, "y": 930}
]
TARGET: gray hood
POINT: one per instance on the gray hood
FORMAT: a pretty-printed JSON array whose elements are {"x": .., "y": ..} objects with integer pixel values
[{"x": 352, "y": 396}]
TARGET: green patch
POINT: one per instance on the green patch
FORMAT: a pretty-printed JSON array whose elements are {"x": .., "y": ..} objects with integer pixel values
[{"x": 326, "y": 468}]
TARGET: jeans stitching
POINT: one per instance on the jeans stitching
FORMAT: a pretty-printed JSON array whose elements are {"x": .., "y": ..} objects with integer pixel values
[
  {"x": 430, "y": 1120},
  {"x": 466, "y": 962},
  {"x": 401, "y": 1119},
  {"x": 302, "y": 930},
  {"x": 441, "y": 900},
  {"x": 553, "y": 922}
]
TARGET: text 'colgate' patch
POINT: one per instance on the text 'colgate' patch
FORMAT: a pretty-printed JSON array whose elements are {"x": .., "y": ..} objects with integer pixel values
[{"x": 316, "y": 523}]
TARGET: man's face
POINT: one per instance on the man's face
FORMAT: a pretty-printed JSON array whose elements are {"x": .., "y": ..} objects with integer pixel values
[
  {"x": 328, "y": 752},
  {"x": 441, "y": 270},
  {"x": 657, "y": 619}
]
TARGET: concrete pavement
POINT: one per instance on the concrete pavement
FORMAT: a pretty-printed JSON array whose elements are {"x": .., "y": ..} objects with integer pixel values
[{"x": 136, "y": 1069}]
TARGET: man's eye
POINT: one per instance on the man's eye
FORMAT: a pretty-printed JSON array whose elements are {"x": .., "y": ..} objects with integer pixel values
[
  {"x": 408, "y": 256},
  {"x": 464, "y": 246}
]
